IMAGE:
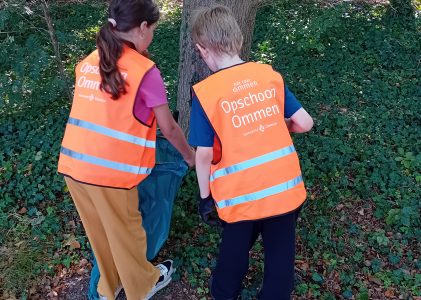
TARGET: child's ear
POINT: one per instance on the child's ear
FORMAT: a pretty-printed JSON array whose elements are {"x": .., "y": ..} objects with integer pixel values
[
  {"x": 142, "y": 28},
  {"x": 203, "y": 51}
]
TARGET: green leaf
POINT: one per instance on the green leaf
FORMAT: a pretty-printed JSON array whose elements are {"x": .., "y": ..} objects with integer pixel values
[{"x": 317, "y": 277}]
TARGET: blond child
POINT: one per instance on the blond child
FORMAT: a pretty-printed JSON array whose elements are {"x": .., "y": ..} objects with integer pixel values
[{"x": 246, "y": 163}]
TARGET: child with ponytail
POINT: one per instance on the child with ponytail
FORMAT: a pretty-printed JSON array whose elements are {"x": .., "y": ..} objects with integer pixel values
[{"x": 109, "y": 147}]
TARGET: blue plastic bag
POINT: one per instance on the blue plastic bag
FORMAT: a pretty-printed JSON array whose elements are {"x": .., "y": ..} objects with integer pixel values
[{"x": 156, "y": 199}]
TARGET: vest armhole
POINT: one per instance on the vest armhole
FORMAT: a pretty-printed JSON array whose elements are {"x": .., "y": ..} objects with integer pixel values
[
  {"x": 216, "y": 137},
  {"x": 218, "y": 140},
  {"x": 283, "y": 86},
  {"x": 134, "y": 102}
]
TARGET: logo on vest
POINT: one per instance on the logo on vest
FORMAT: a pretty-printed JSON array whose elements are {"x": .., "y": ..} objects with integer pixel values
[
  {"x": 262, "y": 102},
  {"x": 91, "y": 80},
  {"x": 87, "y": 68},
  {"x": 91, "y": 98},
  {"x": 261, "y": 128}
]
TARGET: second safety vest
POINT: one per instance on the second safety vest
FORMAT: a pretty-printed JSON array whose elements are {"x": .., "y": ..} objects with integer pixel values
[
  {"x": 255, "y": 172},
  {"x": 104, "y": 144}
]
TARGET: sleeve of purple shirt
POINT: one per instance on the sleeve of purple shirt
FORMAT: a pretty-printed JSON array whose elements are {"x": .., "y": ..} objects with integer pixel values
[{"x": 151, "y": 93}]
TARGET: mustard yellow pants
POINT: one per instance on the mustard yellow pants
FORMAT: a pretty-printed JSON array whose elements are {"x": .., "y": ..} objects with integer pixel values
[{"x": 112, "y": 221}]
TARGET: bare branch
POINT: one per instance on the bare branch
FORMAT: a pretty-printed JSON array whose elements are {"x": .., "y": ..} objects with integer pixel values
[{"x": 55, "y": 44}]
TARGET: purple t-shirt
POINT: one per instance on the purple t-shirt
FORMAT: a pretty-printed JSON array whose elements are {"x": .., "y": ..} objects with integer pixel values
[{"x": 151, "y": 93}]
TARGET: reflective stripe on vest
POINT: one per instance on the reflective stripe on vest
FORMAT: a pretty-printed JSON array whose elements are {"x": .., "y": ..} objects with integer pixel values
[
  {"x": 105, "y": 162},
  {"x": 262, "y": 193},
  {"x": 112, "y": 133},
  {"x": 253, "y": 162}
]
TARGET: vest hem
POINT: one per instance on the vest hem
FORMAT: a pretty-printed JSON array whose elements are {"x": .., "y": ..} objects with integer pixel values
[
  {"x": 270, "y": 217},
  {"x": 97, "y": 185}
]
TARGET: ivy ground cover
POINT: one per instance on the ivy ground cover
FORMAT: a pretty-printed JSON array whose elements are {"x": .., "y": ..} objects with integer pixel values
[{"x": 354, "y": 67}]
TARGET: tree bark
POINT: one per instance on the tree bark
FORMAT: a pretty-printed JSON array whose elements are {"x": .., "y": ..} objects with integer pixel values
[{"x": 191, "y": 68}]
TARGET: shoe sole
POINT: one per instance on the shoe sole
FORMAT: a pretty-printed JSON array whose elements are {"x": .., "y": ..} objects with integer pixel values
[
  {"x": 118, "y": 290},
  {"x": 163, "y": 284}
]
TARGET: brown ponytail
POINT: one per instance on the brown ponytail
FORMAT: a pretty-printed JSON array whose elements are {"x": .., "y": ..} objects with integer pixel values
[
  {"x": 127, "y": 15},
  {"x": 109, "y": 48}
]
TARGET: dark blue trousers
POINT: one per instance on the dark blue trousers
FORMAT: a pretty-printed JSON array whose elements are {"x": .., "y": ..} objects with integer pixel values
[{"x": 278, "y": 235}]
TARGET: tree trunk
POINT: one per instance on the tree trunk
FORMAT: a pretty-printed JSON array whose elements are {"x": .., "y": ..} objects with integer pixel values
[
  {"x": 191, "y": 68},
  {"x": 54, "y": 42}
]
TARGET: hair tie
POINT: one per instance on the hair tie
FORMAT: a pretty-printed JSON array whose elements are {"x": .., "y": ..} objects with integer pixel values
[{"x": 113, "y": 22}]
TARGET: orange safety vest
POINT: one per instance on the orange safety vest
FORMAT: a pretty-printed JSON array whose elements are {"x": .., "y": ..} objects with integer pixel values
[
  {"x": 104, "y": 144},
  {"x": 255, "y": 172}
]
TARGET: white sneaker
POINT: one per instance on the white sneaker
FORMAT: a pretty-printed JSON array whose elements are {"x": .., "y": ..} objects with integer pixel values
[
  {"x": 117, "y": 291},
  {"x": 166, "y": 269}
]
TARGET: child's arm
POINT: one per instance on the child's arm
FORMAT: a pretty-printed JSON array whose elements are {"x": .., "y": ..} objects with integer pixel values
[
  {"x": 300, "y": 121},
  {"x": 173, "y": 133},
  {"x": 204, "y": 156}
]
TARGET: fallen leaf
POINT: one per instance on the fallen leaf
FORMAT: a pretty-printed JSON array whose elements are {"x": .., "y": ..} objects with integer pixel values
[
  {"x": 52, "y": 294},
  {"x": 83, "y": 262},
  {"x": 80, "y": 271},
  {"x": 19, "y": 243},
  {"x": 32, "y": 290},
  {"x": 22, "y": 211},
  {"x": 74, "y": 244},
  {"x": 367, "y": 263},
  {"x": 375, "y": 280},
  {"x": 304, "y": 266},
  {"x": 390, "y": 293},
  {"x": 56, "y": 281}
]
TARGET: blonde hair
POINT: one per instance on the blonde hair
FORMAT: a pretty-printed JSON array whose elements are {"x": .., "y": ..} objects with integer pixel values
[{"x": 215, "y": 28}]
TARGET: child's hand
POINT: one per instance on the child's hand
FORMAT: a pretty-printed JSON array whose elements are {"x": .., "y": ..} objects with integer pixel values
[
  {"x": 207, "y": 211},
  {"x": 191, "y": 159}
]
